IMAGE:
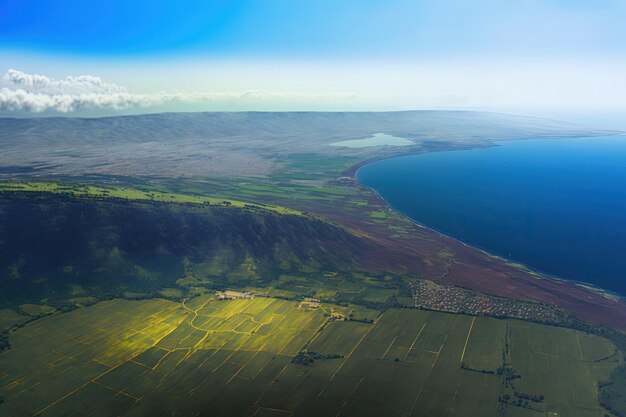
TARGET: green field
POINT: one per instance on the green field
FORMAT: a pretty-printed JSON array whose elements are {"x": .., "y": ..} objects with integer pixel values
[
  {"x": 134, "y": 194},
  {"x": 234, "y": 358}
]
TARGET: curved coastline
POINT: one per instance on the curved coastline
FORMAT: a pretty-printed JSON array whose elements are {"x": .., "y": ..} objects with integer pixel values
[{"x": 353, "y": 172}]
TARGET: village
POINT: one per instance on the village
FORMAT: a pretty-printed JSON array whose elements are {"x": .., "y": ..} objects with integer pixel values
[{"x": 440, "y": 297}]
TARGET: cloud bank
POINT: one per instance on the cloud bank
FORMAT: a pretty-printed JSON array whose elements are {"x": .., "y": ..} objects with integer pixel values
[
  {"x": 34, "y": 93},
  {"x": 38, "y": 93}
]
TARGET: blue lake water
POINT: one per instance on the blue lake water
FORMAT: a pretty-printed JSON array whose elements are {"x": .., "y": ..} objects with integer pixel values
[{"x": 556, "y": 205}]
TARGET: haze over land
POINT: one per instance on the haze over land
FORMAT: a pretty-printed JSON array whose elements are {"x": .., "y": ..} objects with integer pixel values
[{"x": 240, "y": 144}]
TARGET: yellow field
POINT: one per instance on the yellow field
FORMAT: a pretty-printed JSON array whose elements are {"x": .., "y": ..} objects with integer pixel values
[
  {"x": 122, "y": 352},
  {"x": 205, "y": 357}
]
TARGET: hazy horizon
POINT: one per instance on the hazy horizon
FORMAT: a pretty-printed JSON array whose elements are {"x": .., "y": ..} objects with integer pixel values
[{"x": 532, "y": 58}]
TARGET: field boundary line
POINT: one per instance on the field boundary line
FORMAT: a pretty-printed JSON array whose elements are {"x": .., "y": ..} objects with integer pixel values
[
  {"x": 343, "y": 405},
  {"x": 28, "y": 388},
  {"x": 389, "y": 347},
  {"x": 439, "y": 352},
  {"x": 349, "y": 355},
  {"x": 116, "y": 391},
  {"x": 269, "y": 386},
  {"x": 321, "y": 327},
  {"x": 415, "y": 341},
  {"x": 256, "y": 352},
  {"x": 415, "y": 400},
  {"x": 74, "y": 391},
  {"x": 273, "y": 409},
  {"x": 580, "y": 349},
  {"x": 467, "y": 338}
]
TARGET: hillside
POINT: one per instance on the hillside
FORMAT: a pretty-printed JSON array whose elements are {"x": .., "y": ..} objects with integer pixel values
[{"x": 52, "y": 245}]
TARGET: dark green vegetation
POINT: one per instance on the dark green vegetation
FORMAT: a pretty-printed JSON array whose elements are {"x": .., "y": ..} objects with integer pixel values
[
  {"x": 307, "y": 358},
  {"x": 612, "y": 395},
  {"x": 245, "y": 357},
  {"x": 4, "y": 340},
  {"x": 55, "y": 247}
]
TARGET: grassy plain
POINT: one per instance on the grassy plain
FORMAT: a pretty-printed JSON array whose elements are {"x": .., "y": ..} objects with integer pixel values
[
  {"x": 234, "y": 358},
  {"x": 83, "y": 190}
]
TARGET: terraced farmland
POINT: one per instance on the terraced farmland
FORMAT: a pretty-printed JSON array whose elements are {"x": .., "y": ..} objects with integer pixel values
[{"x": 234, "y": 358}]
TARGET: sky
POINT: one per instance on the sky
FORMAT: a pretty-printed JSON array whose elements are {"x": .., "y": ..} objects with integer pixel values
[{"x": 77, "y": 57}]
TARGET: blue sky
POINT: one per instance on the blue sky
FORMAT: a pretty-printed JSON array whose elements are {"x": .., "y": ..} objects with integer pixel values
[
  {"x": 319, "y": 28},
  {"x": 326, "y": 54}
]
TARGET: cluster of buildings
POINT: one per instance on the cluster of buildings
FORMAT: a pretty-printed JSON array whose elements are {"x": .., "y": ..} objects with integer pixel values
[
  {"x": 434, "y": 296},
  {"x": 234, "y": 295},
  {"x": 308, "y": 302}
]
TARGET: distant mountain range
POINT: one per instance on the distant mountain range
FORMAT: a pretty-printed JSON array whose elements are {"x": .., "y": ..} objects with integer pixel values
[{"x": 240, "y": 144}]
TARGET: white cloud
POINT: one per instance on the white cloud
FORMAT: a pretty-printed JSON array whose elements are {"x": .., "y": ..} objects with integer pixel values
[
  {"x": 38, "y": 93},
  {"x": 84, "y": 84}
]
